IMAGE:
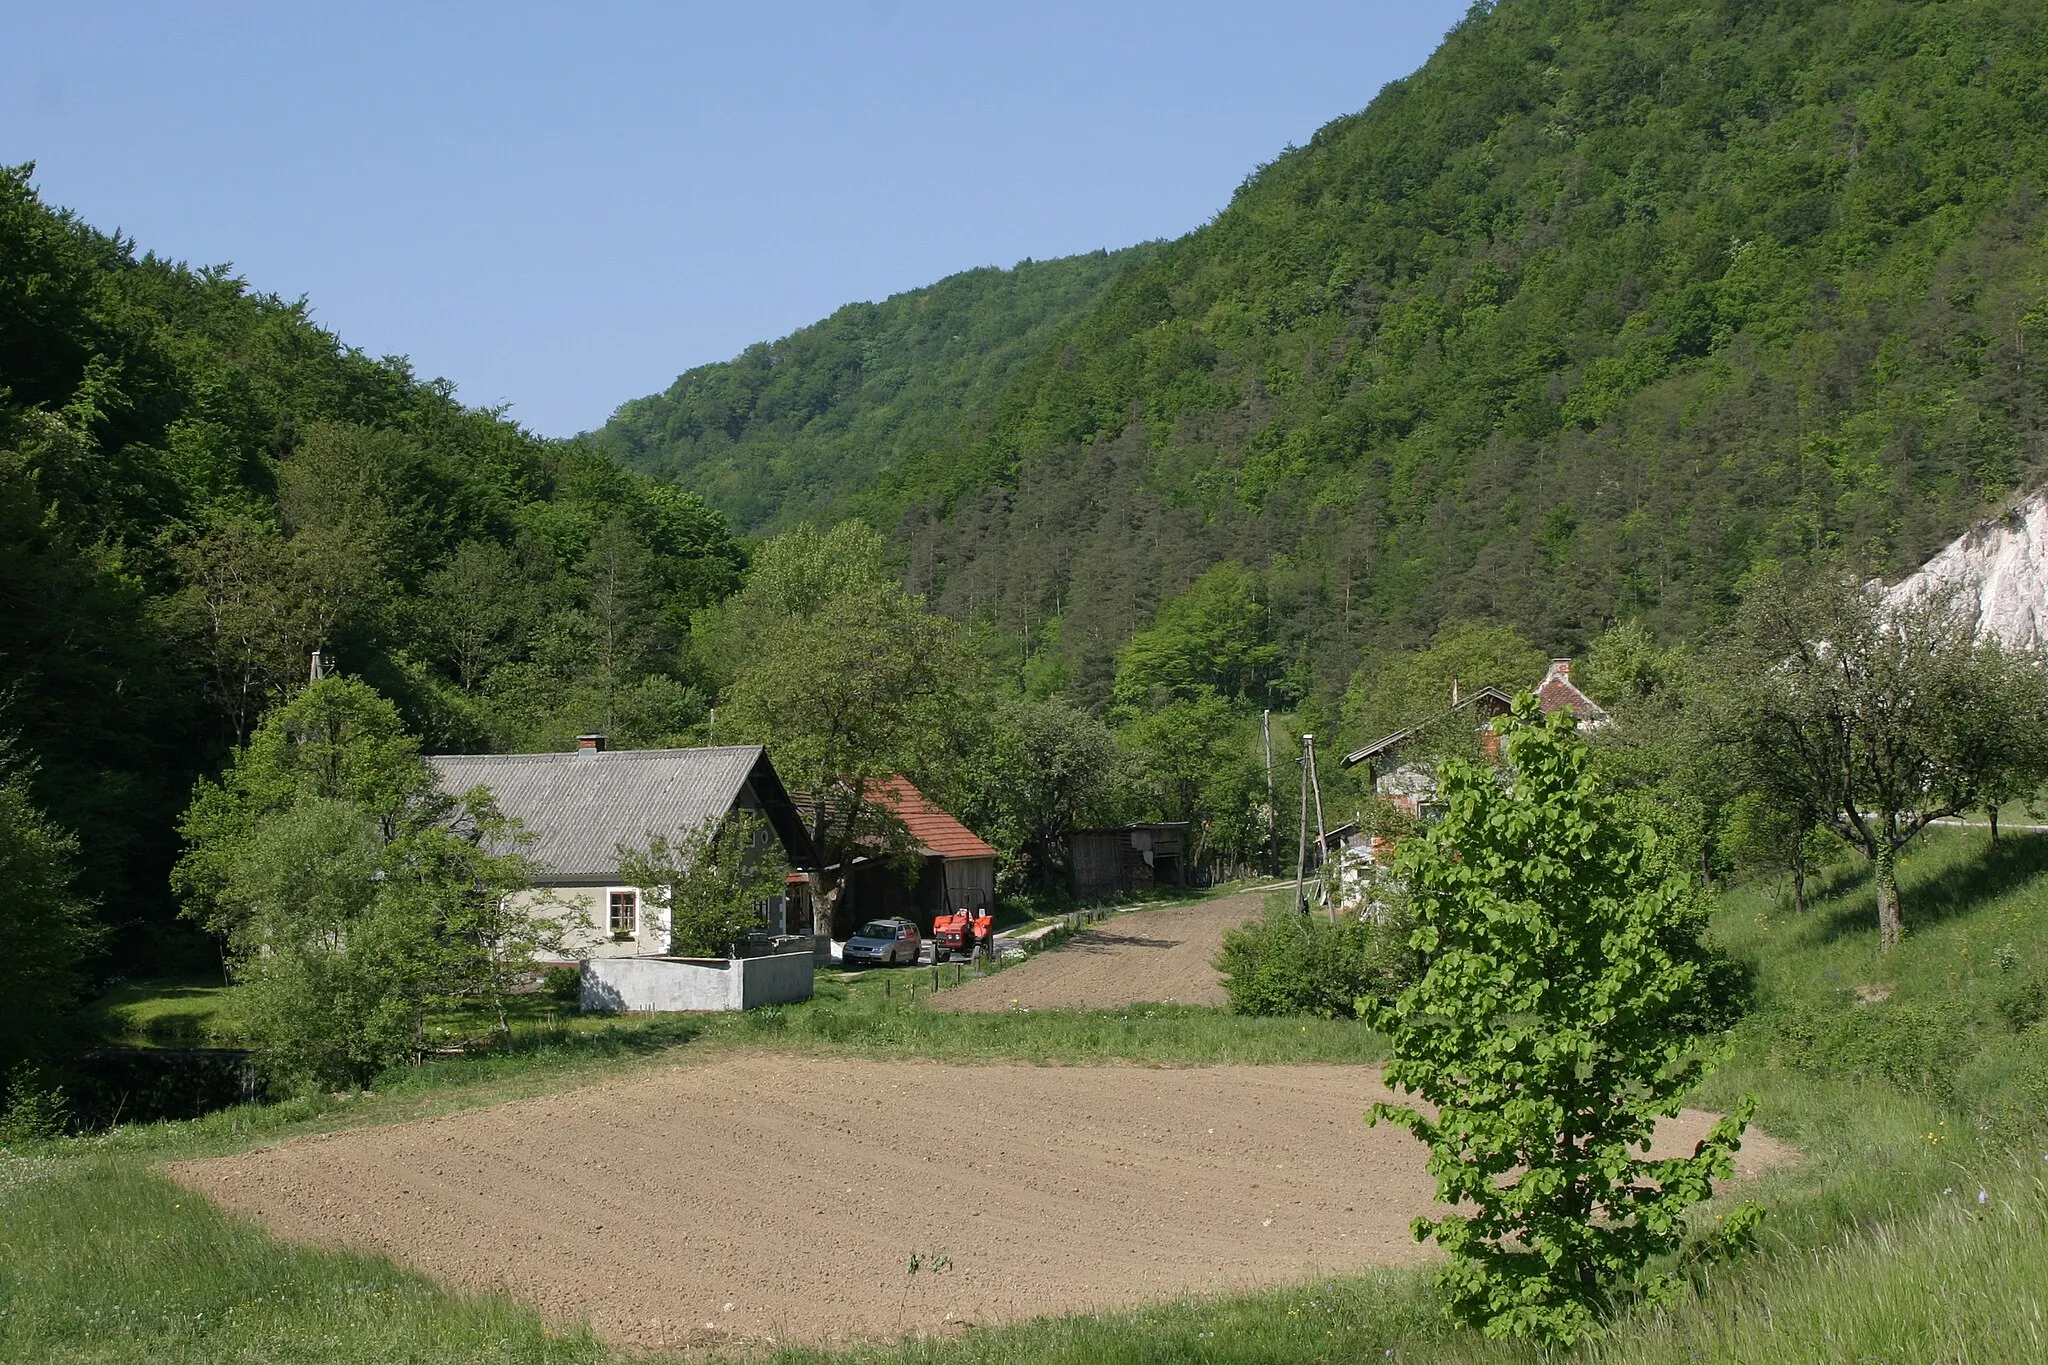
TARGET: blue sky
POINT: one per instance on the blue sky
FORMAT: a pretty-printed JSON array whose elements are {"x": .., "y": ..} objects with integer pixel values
[{"x": 562, "y": 207}]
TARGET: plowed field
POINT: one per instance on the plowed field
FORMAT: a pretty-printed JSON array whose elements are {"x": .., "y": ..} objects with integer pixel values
[
  {"x": 1164, "y": 957},
  {"x": 767, "y": 1198}
]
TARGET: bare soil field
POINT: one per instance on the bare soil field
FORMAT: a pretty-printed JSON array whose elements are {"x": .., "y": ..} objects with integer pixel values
[
  {"x": 1164, "y": 957},
  {"x": 770, "y": 1199}
]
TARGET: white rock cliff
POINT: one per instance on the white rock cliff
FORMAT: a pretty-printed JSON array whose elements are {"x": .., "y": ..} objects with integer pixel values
[{"x": 2002, "y": 566}]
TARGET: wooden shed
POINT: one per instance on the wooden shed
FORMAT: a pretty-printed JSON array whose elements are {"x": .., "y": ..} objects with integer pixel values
[
  {"x": 957, "y": 870},
  {"x": 1128, "y": 859}
]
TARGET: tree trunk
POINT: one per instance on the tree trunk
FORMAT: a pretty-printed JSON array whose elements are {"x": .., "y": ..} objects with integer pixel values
[
  {"x": 1799, "y": 880},
  {"x": 1992, "y": 811},
  {"x": 825, "y": 893},
  {"x": 1891, "y": 923}
]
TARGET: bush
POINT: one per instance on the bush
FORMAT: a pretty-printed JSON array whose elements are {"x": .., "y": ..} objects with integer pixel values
[
  {"x": 1291, "y": 963},
  {"x": 36, "y": 1109},
  {"x": 563, "y": 985}
]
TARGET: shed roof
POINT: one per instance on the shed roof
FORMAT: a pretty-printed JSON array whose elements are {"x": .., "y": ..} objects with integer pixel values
[
  {"x": 939, "y": 833},
  {"x": 1494, "y": 696},
  {"x": 581, "y": 806}
]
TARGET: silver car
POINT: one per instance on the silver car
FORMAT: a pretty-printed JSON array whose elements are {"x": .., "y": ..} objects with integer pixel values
[{"x": 884, "y": 940}]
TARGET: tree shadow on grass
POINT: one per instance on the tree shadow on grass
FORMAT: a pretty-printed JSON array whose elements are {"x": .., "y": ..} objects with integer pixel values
[{"x": 1965, "y": 885}]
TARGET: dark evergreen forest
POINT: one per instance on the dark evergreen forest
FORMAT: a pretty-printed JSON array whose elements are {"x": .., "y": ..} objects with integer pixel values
[{"x": 1605, "y": 310}]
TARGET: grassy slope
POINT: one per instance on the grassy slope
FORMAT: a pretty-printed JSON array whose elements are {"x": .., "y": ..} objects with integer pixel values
[{"x": 1877, "y": 1245}]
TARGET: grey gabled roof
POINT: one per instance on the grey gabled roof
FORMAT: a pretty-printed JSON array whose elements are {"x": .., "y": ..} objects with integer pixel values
[
  {"x": 1400, "y": 737},
  {"x": 581, "y": 806}
]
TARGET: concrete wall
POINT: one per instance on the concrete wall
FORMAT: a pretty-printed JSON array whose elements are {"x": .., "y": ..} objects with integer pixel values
[{"x": 671, "y": 985}]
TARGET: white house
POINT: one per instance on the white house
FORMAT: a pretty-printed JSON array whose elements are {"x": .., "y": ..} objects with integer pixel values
[{"x": 581, "y": 806}]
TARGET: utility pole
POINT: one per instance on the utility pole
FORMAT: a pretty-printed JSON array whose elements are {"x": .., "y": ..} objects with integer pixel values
[
  {"x": 1301, "y": 843},
  {"x": 1322, "y": 834},
  {"x": 1272, "y": 812}
]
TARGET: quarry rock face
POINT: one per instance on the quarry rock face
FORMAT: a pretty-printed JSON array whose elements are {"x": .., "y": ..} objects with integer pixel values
[{"x": 2001, "y": 567}]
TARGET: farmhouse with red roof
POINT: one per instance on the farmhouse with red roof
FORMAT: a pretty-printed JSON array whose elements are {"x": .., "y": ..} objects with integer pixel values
[{"x": 956, "y": 869}]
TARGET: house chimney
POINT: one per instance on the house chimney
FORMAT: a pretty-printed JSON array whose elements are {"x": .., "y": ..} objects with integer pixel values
[
  {"x": 590, "y": 744},
  {"x": 1561, "y": 668}
]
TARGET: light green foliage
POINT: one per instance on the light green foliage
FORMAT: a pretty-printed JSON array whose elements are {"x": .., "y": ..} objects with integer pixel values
[
  {"x": 1875, "y": 718},
  {"x": 1032, "y": 772},
  {"x": 710, "y": 880},
  {"x": 45, "y": 927},
  {"x": 1211, "y": 638},
  {"x": 810, "y": 425},
  {"x": 1201, "y": 765},
  {"x": 353, "y": 896},
  {"x": 793, "y": 577},
  {"x": 337, "y": 742},
  {"x": 1764, "y": 835},
  {"x": 843, "y": 699},
  {"x": 1290, "y": 963},
  {"x": 1563, "y": 1006},
  {"x": 1400, "y": 690}
]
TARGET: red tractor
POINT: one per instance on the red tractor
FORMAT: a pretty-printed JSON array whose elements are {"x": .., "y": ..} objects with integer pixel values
[{"x": 962, "y": 934}]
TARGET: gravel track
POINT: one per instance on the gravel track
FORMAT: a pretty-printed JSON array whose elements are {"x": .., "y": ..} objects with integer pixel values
[{"x": 1162, "y": 957}]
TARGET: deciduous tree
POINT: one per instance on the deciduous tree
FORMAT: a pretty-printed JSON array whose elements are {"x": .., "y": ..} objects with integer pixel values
[
  {"x": 1566, "y": 1003},
  {"x": 1878, "y": 716}
]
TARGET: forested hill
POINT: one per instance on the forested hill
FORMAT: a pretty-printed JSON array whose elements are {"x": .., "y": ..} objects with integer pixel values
[
  {"x": 199, "y": 486},
  {"x": 799, "y": 427},
  {"x": 1604, "y": 307}
]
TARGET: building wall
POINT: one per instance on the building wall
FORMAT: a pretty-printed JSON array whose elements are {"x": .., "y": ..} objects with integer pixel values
[
  {"x": 583, "y": 912},
  {"x": 969, "y": 884}
]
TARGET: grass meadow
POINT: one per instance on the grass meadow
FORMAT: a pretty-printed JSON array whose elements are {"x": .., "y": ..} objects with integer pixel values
[{"x": 1914, "y": 1229}]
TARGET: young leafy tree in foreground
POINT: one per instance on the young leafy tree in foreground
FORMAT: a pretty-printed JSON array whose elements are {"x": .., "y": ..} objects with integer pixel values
[
  {"x": 1566, "y": 1003},
  {"x": 709, "y": 879}
]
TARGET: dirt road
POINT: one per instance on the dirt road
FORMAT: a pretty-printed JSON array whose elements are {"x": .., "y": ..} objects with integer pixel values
[
  {"x": 1153, "y": 956},
  {"x": 767, "y": 1198}
]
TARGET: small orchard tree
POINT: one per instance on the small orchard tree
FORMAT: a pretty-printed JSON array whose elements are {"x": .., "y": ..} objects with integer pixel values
[
  {"x": 710, "y": 880},
  {"x": 1565, "y": 1004},
  {"x": 1880, "y": 716}
]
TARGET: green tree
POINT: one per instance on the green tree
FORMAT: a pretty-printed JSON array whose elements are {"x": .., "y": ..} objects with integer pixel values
[
  {"x": 1763, "y": 834},
  {"x": 1211, "y": 638},
  {"x": 473, "y": 607},
  {"x": 710, "y": 881},
  {"x": 843, "y": 699},
  {"x": 353, "y": 896},
  {"x": 1033, "y": 772},
  {"x": 1565, "y": 1004},
  {"x": 336, "y": 741},
  {"x": 793, "y": 577},
  {"x": 46, "y": 929},
  {"x": 1880, "y": 717}
]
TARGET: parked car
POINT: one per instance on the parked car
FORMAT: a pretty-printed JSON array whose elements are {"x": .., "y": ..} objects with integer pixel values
[{"x": 884, "y": 940}]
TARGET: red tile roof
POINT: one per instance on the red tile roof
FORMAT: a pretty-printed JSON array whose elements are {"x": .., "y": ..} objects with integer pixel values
[
  {"x": 939, "y": 832},
  {"x": 1558, "y": 693}
]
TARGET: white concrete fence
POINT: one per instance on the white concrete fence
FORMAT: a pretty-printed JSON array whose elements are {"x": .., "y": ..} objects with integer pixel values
[{"x": 672, "y": 985}]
